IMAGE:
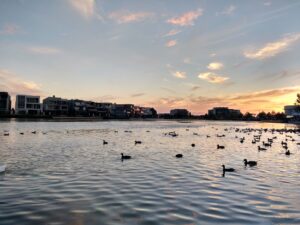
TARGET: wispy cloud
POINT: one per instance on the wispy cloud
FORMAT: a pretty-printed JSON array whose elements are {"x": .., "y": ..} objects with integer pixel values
[
  {"x": 85, "y": 7},
  {"x": 215, "y": 66},
  {"x": 186, "y": 19},
  {"x": 11, "y": 83},
  {"x": 213, "y": 77},
  {"x": 179, "y": 74},
  {"x": 136, "y": 95},
  {"x": 273, "y": 48},
  {"x": 229, "y": 10},
  {"x": 267, "y": 3},
  {"x": 171, "y": 43},
  {"x": 172, "y": 32},
  {"x": 195, "y": 88},
  {"x": 129, "y": 17},
  {"x": 10, "y": 29},
  {"x": 44, "y": 50}
]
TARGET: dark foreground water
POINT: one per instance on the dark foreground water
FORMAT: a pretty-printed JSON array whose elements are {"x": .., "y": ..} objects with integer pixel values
[{"x": 65, "y": 175}]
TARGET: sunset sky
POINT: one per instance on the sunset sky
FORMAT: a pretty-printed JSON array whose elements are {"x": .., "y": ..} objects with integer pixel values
[{"x": 193, "y": 54}]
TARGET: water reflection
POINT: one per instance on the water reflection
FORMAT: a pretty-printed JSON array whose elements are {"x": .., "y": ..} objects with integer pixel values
[{"x": 64, "y": 174}]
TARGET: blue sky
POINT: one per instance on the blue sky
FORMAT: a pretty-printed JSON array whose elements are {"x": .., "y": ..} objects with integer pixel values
[{"x": 161, "y": 53}]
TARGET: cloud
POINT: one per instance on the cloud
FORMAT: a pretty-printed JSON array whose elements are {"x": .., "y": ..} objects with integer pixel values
[
  {"x": 137, "y": 95},
  {"x": 268, "y": 3},
  {"x": 268, "y": 100},
  {"x": 14, "y": 85},
  {"x": 273, "y": 48},
  {"x": 10, "y": 29},
  {"x": 229, "y": 10},
  {"x": 171, "y": 43},
  {"x": 179, "y": 74},
  {"x": 212, "y": 77},
  {"x": 168, "y": 90},
  {"x": 45, "y": 50},
  {"x": 85, "y": 7},
  {"x": 215, "y": 66},
  {"x": 172, "y": 33},
  {"x": 186, "y": 19},
  {"x": 195, "y": 88},
  {"x": 128, "y": 17}
]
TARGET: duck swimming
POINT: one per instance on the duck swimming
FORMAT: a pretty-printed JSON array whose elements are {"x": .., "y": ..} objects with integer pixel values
[
  {"x": 125, "y": 156},
  {"x": 250, "y": 163},
  {"x": 220, "y": 147},
  {"x": 261, "y": 149},
  {"x": 179, "y": 156},
  {"x": 227, "y": 170},
  {"x": 105, "y": 142}
]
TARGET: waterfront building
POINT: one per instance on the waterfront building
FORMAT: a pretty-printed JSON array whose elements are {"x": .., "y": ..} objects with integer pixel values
[
  {"x": 83, "y": 108},
  {"x": 147, "y": 112},
  {"x": 224, "y": 113},
  {"x": 28, "y": 105},
  {"x": 180, "y": 113},
  {"x": 5, "y": 103},
  {"x": 53, "y": 106},
  {"x": 122, "y": 111},
  {"x": 104, "y": 109},
  {"x": 292, "y": 110}
]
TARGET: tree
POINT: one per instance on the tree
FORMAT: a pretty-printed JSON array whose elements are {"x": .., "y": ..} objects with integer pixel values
[{"x": 298, "y": 99}]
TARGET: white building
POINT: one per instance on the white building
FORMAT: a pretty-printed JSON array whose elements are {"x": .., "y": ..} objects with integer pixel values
[
  {"x": 292, "y": 110},
  {"x": 28, "y": 105}
]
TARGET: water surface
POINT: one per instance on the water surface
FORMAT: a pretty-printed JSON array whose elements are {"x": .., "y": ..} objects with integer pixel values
[{"x": 65, "y": 175}]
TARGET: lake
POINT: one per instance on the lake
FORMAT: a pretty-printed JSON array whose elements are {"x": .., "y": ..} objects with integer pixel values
[{"x": 64, "y": 174}]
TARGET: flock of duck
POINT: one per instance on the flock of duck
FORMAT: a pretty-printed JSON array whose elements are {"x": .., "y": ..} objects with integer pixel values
[{"x": 247, "y": 131}]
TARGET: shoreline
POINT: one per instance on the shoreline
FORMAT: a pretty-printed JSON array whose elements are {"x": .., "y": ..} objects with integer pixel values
[{"x": 99, "y": 119}]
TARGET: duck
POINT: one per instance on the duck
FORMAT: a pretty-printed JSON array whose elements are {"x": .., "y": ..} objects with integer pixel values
[
  {"x": 288, "y": 152},
  {"x": 125, "y": 156},
  {"x": 138, "y": 142},
  {"x": 21, "y": 133},
  {"x": 105, "y": 142},
  {"x": 33, "y": 132},
  {"x": 250, "y": 163},
  {"x": 6, "y": 134},
  {"x": 193, "y": 145},
  {"x": 220, "y": 147},
  {"x": 179, "y": 156},
  {"x": 261, "y": 149},
  {"x": 227, "y": 170}
]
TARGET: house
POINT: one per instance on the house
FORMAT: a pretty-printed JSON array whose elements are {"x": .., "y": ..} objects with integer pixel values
[
  {"x": 147, "y": 112},
  {"x": 5, "y": 103},
  {"x": 53, "y": 106},
  {"x": 122, "y": 111},
  {"x": 28, "y": 105},
  {"x": 292, "y": 110},
  {"x": 180, "y": 113},
  {"x": 224, "y": 113}
]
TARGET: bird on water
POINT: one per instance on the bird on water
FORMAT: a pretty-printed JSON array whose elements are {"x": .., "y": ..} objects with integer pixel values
[
  {"x": 227, "y": 169},
  {"x": 250, "y": 163},
  {"x": 125, "y": 156},
  {"x": 179, "y": 156}
]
